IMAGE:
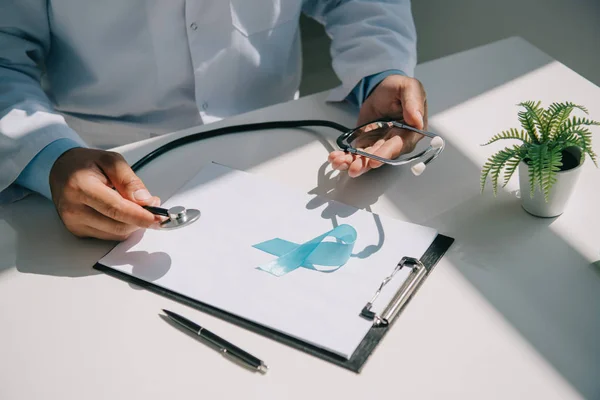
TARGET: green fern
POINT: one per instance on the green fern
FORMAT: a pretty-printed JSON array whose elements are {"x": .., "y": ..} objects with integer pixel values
[
  {"x": 534, "y": 118},
  {"x": 580, "y": 137},
  {"x": 557, "y": 114},
  {"x": 528, "y": 123},
  {"x": 510, "y": 134},
  {"x": 545, "y": 135},
  {"x": 496, "y": 163},
  {"x": 511, "y": 166}
]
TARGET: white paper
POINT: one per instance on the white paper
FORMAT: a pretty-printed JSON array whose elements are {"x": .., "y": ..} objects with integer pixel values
[{"x": 213, "y": 260}]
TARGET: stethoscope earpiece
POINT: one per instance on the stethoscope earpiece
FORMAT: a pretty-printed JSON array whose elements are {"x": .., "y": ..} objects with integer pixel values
[
  {"x": 437, "y": 144},
  {"x": 418, "y": 168}
]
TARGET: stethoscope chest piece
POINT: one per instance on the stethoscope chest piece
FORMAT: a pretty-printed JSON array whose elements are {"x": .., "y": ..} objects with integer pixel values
[{"x": 178, "y": 216}]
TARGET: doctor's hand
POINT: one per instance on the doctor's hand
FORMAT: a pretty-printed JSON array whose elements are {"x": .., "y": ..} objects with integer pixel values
[
  {"x": 82, "y": 182},
  {"x": 399, "y": 97}
]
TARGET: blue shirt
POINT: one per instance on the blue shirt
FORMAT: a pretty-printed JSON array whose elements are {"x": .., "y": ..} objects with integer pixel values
[{"x": 35, "y": 176}]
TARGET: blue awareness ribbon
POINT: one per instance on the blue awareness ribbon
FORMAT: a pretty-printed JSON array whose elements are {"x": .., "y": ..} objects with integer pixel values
[{"x": 314, "y": 252}]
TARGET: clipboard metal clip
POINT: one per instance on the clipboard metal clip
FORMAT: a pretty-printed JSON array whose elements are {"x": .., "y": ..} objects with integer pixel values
[{"x": 401, "y": 297}]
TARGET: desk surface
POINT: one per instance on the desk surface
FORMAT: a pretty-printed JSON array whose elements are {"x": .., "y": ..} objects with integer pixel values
[{"x": 511, "y": 312}]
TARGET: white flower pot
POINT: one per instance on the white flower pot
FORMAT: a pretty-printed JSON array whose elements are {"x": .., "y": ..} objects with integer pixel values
[{"x": 559, "y": 193}]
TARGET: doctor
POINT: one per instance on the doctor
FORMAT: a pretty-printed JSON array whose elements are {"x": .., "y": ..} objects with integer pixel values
[{"x": 79, "y": 76}]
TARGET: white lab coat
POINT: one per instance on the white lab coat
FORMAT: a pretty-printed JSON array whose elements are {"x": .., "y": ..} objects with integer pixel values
[{"x": 114, "y": 71}]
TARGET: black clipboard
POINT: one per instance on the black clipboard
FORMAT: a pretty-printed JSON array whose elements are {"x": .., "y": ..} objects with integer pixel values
[{"x": 382, "y": 322}]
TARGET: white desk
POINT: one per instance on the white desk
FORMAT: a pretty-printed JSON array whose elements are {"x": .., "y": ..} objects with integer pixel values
[{"x": 513, "y": 311}]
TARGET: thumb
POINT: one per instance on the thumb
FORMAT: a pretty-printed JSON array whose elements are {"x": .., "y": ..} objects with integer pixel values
[
  {"x": 125, "y": 181},
  {"x": 412, "y": 98}
]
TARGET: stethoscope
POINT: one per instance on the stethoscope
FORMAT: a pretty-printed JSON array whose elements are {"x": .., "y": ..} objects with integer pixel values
[
  {"x": 179, "y": 216},
  {"x": 435, "y": 148}
]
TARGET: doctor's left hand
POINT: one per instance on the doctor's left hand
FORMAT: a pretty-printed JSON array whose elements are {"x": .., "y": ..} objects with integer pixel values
[{"x": 397, "y": 96}]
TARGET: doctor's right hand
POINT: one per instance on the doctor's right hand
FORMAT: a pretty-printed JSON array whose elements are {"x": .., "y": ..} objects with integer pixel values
[{"x": 83, "y": 183}]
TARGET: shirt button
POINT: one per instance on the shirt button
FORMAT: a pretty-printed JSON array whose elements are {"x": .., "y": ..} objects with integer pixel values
[
  {"x": 204, "y": 105},
  {"x": 194, "y": 26}
]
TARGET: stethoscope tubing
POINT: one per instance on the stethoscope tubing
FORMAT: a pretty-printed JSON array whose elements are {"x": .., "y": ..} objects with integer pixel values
[{"x": 195, "y": 137}]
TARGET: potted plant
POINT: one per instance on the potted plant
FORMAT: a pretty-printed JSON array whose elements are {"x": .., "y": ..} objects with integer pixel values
[{"x": 550, "y": 152}]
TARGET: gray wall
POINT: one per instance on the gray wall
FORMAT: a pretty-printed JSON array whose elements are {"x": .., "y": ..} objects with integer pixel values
[{"x": 567, "y": 30}]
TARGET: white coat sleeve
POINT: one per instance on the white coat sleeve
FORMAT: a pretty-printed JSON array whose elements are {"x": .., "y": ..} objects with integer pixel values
[
  {"x": 28, "y": 121},
  {"x": 367, "y": 37}
]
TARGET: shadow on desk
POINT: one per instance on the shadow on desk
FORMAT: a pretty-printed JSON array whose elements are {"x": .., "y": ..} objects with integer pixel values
[
  {"x": 42, "y": 251},
  {"x": 333, "y": 191},
  {"x": 545, "y": 288}
]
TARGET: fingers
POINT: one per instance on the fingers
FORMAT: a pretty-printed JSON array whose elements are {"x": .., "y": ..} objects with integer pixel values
[
  {"x": 84, "y": 221},
  {"x": 102, "y": 223},
  {"x": 412, "y": 97},
  {"x": 390, "y": 149},
  {"x": 82, "y": 181},
  {"x": 340, "y": 160},
  {"x": 125, "y": 181},
  {"x": 335, "y": 154},
  {"x": 358, "y": 166},
  {"x": 362, "y": 164},
  {"x": 395, "y": 96},
  {"x": 110, "y": 203},
  {"x": 371, "y": 163},
  {"x": 369, "y": 138}
]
